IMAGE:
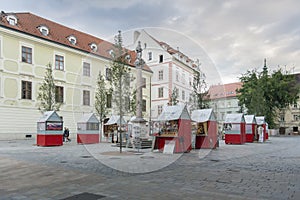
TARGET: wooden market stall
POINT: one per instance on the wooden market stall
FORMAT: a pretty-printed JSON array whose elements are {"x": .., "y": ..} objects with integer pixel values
[
  {"x": 112, "y": 126},
  {"x": 88, "y": 129},
  {"x": 205, "y": 128},
  {"x": 261, "y": 122},
  {"x": 175, "y": 129},
  {"x": 234, "y": 127},
  {"x": 50, "y": 130},
  {"x": 251, "y": 128}
]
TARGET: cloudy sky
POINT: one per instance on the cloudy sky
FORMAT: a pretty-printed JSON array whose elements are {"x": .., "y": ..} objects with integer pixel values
[{"x": 229, "y": 37}]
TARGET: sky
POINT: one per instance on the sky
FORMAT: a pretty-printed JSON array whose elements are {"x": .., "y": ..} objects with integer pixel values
[{"x": 229, "y": 37}]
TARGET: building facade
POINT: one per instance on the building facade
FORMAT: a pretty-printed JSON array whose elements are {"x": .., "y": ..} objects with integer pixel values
[
  {"x": 171, "y": 69},
  {"x": 223, "y": 100},
  {"x": 27, "y": 44}
]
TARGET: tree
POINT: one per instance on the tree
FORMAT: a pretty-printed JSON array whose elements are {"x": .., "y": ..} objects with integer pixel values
[
  {"x": 46, "y": 93},
  {"x": 264, "y": 94},
  {"x": 199, "y": 98},
  {"x": 174, "y": 97},
  {"x": 120, "y": 80},
  {"x": 101, "y": 99}
]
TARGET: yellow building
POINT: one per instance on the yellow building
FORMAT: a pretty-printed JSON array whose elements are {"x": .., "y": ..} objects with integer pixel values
[{"x": 27, "y": 44}]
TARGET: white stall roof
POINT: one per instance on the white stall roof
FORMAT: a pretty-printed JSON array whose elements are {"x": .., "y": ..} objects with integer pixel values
[
  {"x": 50, "y": 116},
  {"x": 250, "y": 119},
  {"x": 174, "y": 113},
  {"x": 203, "y": 115},
  {"x": 234, "y": 118},
  {"x": 88, "y": 117},
  {"x": 115, "y": 119},
  {"x": 260, "y": 120}
]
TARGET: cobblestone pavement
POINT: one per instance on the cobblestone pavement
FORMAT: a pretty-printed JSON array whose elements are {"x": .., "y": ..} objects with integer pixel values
[{"x": 252, "y": 171}]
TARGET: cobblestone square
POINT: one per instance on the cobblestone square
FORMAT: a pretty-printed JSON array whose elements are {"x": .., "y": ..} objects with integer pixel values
[{"x": 267, "y": 170}]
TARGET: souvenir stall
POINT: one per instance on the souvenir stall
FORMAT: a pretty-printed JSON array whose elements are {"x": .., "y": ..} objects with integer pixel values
[
  {"x": 261, "y": 122},
  {"x": 251, "y": 128},
  {"x": 204, "y": 126},
  {"x": 111, "y": 127},
  {"x": 174, "y": 129},
  {"x": 88, "y": 129},
  {"x": 234, "y": 127},
  {"x": 50, "y": 130}
]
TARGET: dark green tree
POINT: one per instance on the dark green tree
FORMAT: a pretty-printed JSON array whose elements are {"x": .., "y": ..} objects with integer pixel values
[
  {"x": 101, "y": 99},
  {"x": 46, "y": 92},
  {"x": 264, "y": 94}
]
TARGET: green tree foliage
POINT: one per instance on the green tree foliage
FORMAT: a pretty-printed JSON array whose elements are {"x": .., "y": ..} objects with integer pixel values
[
  {"x": 265, "y": 95},
  {"x": 101, "y": 98},
  {"x": 46, "y": 93},
  {"x": 120, "y": 77},
  {"x": 174, "y": 97},
  {"x": 199, "y": 98}
]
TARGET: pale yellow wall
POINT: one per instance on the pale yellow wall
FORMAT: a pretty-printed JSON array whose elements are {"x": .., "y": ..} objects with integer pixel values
[{"x": 14, "y": 71}]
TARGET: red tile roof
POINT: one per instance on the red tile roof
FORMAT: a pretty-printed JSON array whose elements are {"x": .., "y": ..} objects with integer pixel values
[
  {"x": 28, "y": 23},
  {"x": 224, "y": 91}
]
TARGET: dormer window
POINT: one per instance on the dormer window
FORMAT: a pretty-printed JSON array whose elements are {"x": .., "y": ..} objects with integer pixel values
[
  {"x": 94, "y": 47},
  {"x": 44, "y": 30},
  {"x": 111, "y": 53},
  {"x": 128, "y": 57},
  {"x": 72, "y": 39},
  {"x": 12, "y": 20}
]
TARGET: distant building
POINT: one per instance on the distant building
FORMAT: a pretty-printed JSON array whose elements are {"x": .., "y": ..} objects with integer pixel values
[
  {"x": 171, "y": 68},
  {"x": 290, "y": 117},
  {"x": 223, "y": 100},
  {"x": 27, "y": 44}
]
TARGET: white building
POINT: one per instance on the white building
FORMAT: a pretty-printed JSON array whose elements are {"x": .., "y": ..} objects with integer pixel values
[{"x": 171, "y": 68}]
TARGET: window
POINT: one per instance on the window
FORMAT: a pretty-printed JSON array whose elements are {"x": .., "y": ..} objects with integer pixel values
[
  {"x": 108, "y": 100},
  {"x": 183, "y": 79},
  {"x": 159, "y": 109},
  {"x": 190, "y": 81},
  {"x": 183, "y": 95},
  {"x": 94, "y": 47},
  {"x": 26, "y": 90},
  {"x": 177, "y": 76},
  {"x": 160, "y": 92},
  {"x": 282, "y": 118},
  {"x": 86, "y": 69},
  {"x": 296, "y": 117},
  {"x": 72, "y": 39},
  {"x": 161, "y": 58},
  {"x": 59, "y": 94},
  {"x": 143, "y": 82},
  {"x": 44, "y": 30},
  {"x": 12, "y": 20},
  {"x": 160, "y": 75},
  {"x": 27, "y": 54},
  {"x": 86, "y": 97},
  {"x": 108, "y": 74},
  {"x": 59, "y": 62},
  {"x": 144, "y": 103},
  {"x": 149, "y": 55},
  {"x": 295, "y": 105}
]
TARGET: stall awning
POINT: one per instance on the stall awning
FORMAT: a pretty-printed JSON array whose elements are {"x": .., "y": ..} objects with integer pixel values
[
  {"x": 88, "y": 118},
  {"x": 174, "y": 113},
  {"x": 234, "y": 118},
  {"x": 250, "y": 119},
  {"x": 115, "y": 119},
  {"x": 50, "y": 116},
  {"x": 203, "y": 115},
  {"x": 260, "y": 120}
]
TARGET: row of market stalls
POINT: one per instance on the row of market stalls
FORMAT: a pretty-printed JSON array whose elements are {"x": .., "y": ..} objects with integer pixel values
[
  {"x": 174, "y": 129},
  {"x": 240, "y": 128}
]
